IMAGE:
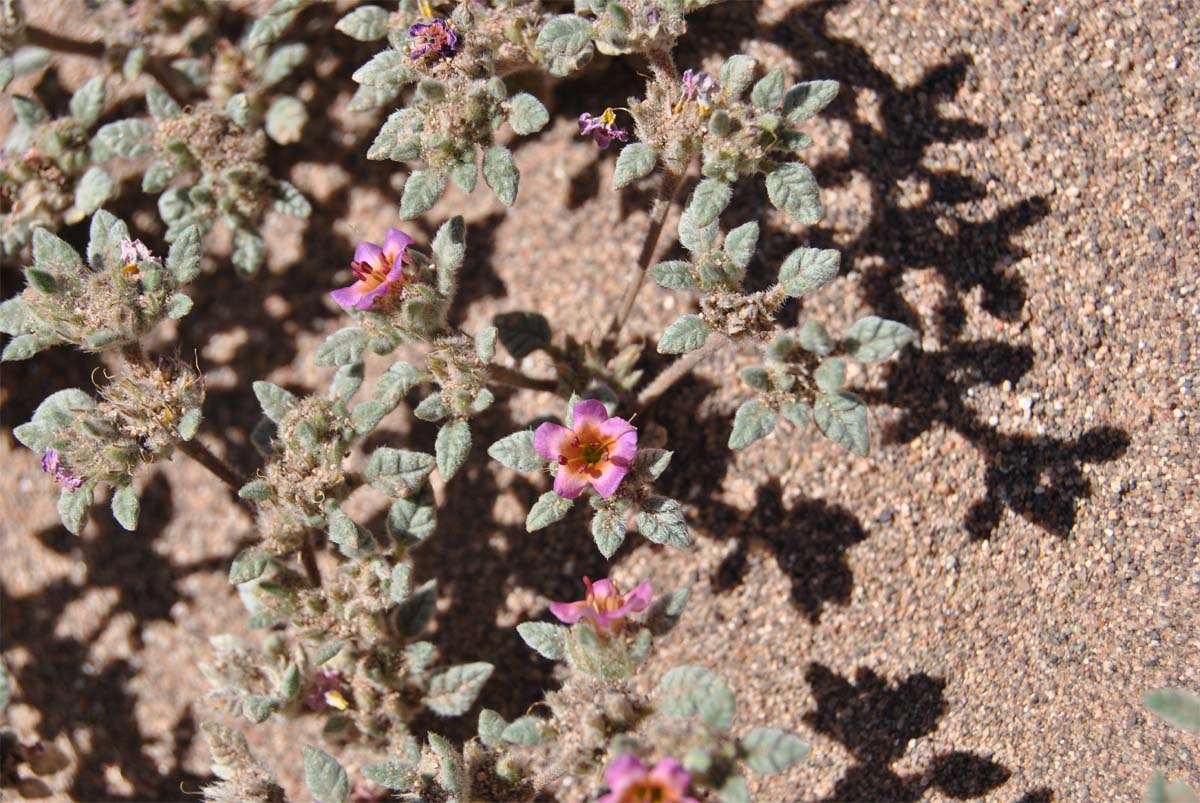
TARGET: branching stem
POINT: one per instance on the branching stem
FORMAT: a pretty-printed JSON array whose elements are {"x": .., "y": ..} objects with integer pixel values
[
  {"x": 218, "y": 467},
  {"x": 308, "y": 559},
  {"x": 166, "y": 75},
  {"x": 517, "y": 379},
  {"x": 678, "y": 370}
]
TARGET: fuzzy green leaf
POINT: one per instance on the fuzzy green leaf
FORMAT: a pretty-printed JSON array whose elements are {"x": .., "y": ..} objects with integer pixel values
[
  {"x": 526, "y": 114},
  {"x": 636, "y": 161},
  {"x": 449, "y": 249},
  {"x": 516, "y": 451},
  {"x": 666, "y": 610},
  {"x": 28, "y": 111},
  {"x": 545, "y": 638},
  {"x": 807, "y": 99},
  {"x": 250, "y": 564},
  {"x": 566, "y": 43},
  {"x": 814, "y": 337},
  {"x": 609, "y": 528},
  {"x": 258, "y": 707},
  {"x": 125, "y": 507},
  {"x": 736, "y": 74},
  {"x": 400, "y": 583},
  {"x": 388, "y": 69},
  {"x": 366, "y": 24},
  {"x": 735, "y": 790},
  {"x": 285, "y": 120},
  {"x": 652, "y": 462},
  {"x": 351, "y": 538},
  {"x": 274, "y": 400},
  {"x": 367, "y": 415},
  {"x": 249, "y": 251},
  {"x": 414, "y": 614},
  {"x": 768, "y": 92},
  {"x": 178, "y": 306},
  {"x": 1178, "y": 707},
  {"x": 661, "y": 521},
  {"x": 394, "y": 774},
  {"x": 709, "y": 200},
  {"x": 53, "y": 254},
  {"x": 873, "y": 339},
  {"x": 675, "y": 274},
  {"x": 687, "y": 333},
  {"x": 526, "y": 731},
  {"x": 491, "y": 726},
  {"x": 795, "y": 412},
  {"x": 183, "y": 260},
  {"x": 282, "y": 61},
  {"x": 432, "y": 408},
  {"x": 452, "y": 447},
  {"x": 831, "y": 374},
  {"x": 22, "y": 348},
  {"x": 842, "y": 417},
  {"x": 412, "y": 520},
  {"x": 452, "y": 691},
  {"x": 88, "y": 102},
  {"x": 55, "y": 414},
  {"x": 94, "y": 188},
  {"x": 768, "y": 750},
  {"x": 693, "y": 691},
  {"x": 500, "y": 173},
  {"x": 343, "y": 347},
  {"x": 421, "y": 192},
  {"x": 73, "y": 507},
  {"x": 549, "y": 508},
  {"x": 740, "y": 244},
  {"x": 808, "y": 269},
  {"x": 324, "y": 776},
  {"x": 753, "y": 420},
  {"x": 161, "y": 105},
  {"x": 398, "y": 471},
  {"x": 793, "y": 190},
  {"x": 127, "y": 138}
]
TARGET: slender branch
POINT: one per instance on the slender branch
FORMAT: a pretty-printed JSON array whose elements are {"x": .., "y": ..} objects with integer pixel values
[
  {"x": 159, "y": 70},
  {"x": 678, "y": 370},
  {"x": 308, "y": 559},
  {"x": 507, "y": 376},
  {"x": 219, "y": 468},
  {"x": 670, "y": 191}
]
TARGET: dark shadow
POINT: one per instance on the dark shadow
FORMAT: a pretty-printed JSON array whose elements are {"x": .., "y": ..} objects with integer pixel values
[
  {"x": 875, "y": 719},
  {"x": 63, "y": 683}
]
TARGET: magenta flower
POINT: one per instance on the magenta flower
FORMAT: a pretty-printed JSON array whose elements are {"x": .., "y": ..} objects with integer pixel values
[
  {"x": 376, "y": 271},
  {"x": 432, "y": 40},
  {"x": 52, "y": 464},
  {"x": 596, "y": 451},
  {"x": 701, "y": 87},
  {"x": 630, "y": 781},
  {"x": 605, "y": 606},
  {"x": 603, "y": 129},
  {"x": 327, "y": 691}
]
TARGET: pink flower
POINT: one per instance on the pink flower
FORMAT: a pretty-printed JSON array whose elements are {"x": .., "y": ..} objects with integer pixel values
[
  {"x": 376, "y": 270},
  {"x": 630, "y": 781},
  {"x": 135, "y": 251},
  {"x": 596, "y": 452},
  {"x": 605, "y": 606},
  {"x": 603, "y": 129},
  {"x": 52, "y": 464},
  {"x": 432, "y": 40}
]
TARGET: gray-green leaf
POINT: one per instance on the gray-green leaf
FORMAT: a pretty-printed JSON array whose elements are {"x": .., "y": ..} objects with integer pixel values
[
  {"x": 94, "y": 188},
  {"x": 274, "y": 400},
  {"x": 831, "y": 374},
  {"x": 365, "y": 24},
  {"x": 125, "y": 507},
  {"x": 516, "y": 451},
  {"x": 661, "y": 521},
  {"x": 793, "y": 190},
  {"x": 768, "y": 92},
  {"x": 708, "y": 201},
  {"x": 686, "y": 334},
  {"x": 842, "y": 417},
  {"x": 549, "y": 508},
  {"x": 675, "y": 274},
  {"x": 127, "y": 138},
  {"x": 768, "y": 750},
  {"x": 343, "y": 347},
  {"x": 873, "y": 339},
  {"x": 500, "y": 173},
  {"x": 808, "y": 269},
  {"x": 452, "y": 691},
  {"x": 736, "y": 74},
  {"x": 73, "y": 507},
  {"x": 398, "y": 471},
  {"x": 421, "y": 192},
  {"x": 807, "y": 99},
  {"x": 693, "y": 691},
  {"x": 636, "y": 161},
  {"x": 566, "y": 41},
  {"x": 546, "y": 638},
  {"x": 452, "y": 447},
  {"x": 410, "y": 521},
  {"x": 325, "y": 777},
  {"x": 394, "y": 774},
  {"x": 753, "y": 420},
  {"x": 526, "y": 114},
  {"x": 740, "y": 243}
]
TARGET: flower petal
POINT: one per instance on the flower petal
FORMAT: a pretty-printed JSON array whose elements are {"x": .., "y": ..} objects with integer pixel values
[
  {"x": 550, "y": 439},
  {"x": 397, "y": 270},
  {"x": 639, "y": 598},
  {"x": 568, "y": 612},
  {"x": 625, "y": 449},
  {"x": 395, "y": 242},
  {"x": 588, "y": 412},
  {"x": 367, "y": 252},
  {"x": 368, "y": 299},
  {"x": 622, "y": 772},
  {"x": 672, "y": 773},
  {"x": 348, "y": 297},
  {"x": 603, "y": 589},
  {"x": 569, "y": 484},
  {"x": 610, "y": 477}
]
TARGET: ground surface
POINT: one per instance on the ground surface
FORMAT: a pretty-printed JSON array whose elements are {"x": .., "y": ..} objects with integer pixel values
[{"x": 972, "y": 612}]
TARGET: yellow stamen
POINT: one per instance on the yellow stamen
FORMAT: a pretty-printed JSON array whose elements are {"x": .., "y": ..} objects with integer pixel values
[
  {"x": 335, "y": 699},
  {"x": 609, "y": 117},
  {"x": 426, "y": 7}
]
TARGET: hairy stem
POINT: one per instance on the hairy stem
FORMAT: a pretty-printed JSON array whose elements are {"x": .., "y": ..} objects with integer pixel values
[
  {"x": 218, "y": 467},
  {"x": 308, "y": 559},
  {"x": 678, "y": 370},
  {"x": 516, "y": 379},
  {"x": 670, "y": 191},
  {"x": 162, "y": 72}
]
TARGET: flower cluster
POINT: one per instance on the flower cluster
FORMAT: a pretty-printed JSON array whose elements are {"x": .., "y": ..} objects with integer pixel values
[
  {"x": 596, "y": 450},
  {"x": 603, "y": 129},
  {"x": 377, "y": 270},
  {"x": 52, "y": 464},
  {"x": 700, "y": 87}
]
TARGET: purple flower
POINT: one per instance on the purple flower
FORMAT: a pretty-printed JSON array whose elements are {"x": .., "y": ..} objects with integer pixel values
[
  {"x": 630, "y": 781},
  {"x": 605, "y": 606},
  {"x": 595, "y": 451},
  {"x": 698, "y": 86},
  {"x": 135, "y": 251},
  {"x": 603, "y": 129},
  {"x": 327, "y": 691},
  {"x": 432, "y": 40},
  {"x": 376, "y": 270},
  {"x": 52, "y": 464}
]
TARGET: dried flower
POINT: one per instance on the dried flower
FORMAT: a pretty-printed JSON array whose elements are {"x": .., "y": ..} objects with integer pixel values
[
  {"x": 327, "y": 691},
  {"x": 630, "y": 781},
  {"x": 376, "y": 270},
  {"x": 135, "y": 251},
  {"x": 596, "y": 451},
  {"x": 432, "y": 40},
  {"x": 698, "y": 86},
  {"x": 603, "y": 129},
  {"x": 604, "y": 606},
  {"x": 52, "y": 464}
]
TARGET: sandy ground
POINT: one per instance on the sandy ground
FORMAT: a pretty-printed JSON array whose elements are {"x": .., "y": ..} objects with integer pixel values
[{"x": 971, "y": 612}]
